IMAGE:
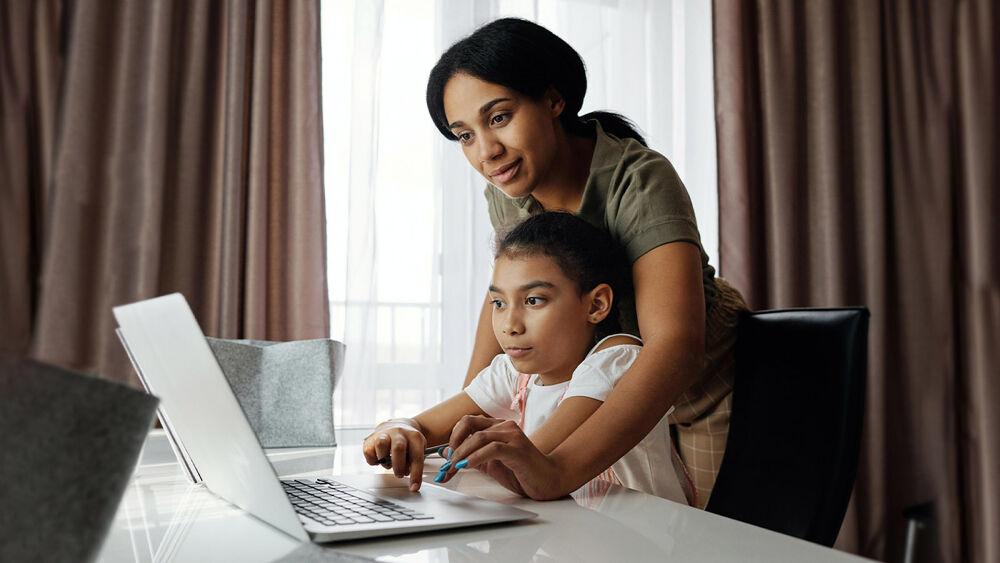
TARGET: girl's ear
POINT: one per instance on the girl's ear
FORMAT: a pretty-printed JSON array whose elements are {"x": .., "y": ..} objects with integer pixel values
[
  {"x": 555, "y": 102},
  {"x": 600, "y": 299}
]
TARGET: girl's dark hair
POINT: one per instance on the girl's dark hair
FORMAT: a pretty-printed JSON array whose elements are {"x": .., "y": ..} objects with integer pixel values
[
  {"x": 525, "y": 57},
  {"x": 586, "y": 254}
]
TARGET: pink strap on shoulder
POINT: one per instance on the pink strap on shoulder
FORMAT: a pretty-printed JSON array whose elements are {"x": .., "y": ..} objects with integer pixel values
[{"x": 521, "y": 397}]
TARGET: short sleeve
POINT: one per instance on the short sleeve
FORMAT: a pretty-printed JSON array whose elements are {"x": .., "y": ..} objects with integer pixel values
[
  {"x": 494, "y": 388},
  {"x": 599, "y": 372},
  {"x": 495, "y": 204},
  {"x": 653, "y": 207},
  {"x": 506, "y": 211}
]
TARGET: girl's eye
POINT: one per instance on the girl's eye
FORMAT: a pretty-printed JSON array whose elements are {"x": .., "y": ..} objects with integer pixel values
[
  {"x": 465, "y": 138},
  {"x": 534, "y": 300},
  {"x": 498, "y": 119},
  {"x": 497, "y": 304}
]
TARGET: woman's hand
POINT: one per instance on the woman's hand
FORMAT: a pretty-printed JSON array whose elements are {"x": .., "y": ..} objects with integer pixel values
[
  {"x": 500, "y": 449},
  {"x": 403, "y": 440}
]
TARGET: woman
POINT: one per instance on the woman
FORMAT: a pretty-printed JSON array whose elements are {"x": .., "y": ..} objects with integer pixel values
[{"x": 510, "y": 94}]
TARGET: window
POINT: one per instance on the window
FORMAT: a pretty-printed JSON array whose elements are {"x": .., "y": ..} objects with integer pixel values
[{"x": 409, "y": 236}]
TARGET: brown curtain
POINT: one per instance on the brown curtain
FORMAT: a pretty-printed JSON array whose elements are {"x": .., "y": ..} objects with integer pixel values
[
  {"x": 153, "y": 147},
  {"x": 858, "y": 149},
  {"x": 29, "y": 82}
]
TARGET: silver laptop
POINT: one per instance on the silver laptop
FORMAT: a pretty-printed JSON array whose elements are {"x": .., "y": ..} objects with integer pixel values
[{"x": 167, "y": 346}]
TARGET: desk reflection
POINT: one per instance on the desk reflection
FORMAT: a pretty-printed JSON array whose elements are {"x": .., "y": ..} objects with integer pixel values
[{"x": 593, "y": 524}]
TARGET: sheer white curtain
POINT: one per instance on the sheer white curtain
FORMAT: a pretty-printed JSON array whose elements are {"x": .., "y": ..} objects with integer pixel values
[{"x": 409, "y": 236}]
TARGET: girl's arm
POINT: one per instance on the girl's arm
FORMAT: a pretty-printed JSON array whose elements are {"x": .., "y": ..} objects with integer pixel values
[
  {"x": 436, "y": 422},
  {"x": 486, "y": 346},
  {"x": 670, "y": 303}
]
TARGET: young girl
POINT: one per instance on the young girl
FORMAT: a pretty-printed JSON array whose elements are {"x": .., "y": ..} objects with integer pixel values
[{"x": 555, "y": 317}]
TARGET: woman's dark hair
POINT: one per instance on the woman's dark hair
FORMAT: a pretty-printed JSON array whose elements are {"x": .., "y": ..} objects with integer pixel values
[
  {"x": 525, "y": 57},
  {"x": 586, "y": 254}
]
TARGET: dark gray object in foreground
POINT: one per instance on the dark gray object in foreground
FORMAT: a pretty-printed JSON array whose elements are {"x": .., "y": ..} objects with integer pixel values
[{"x": 69, "y": 443}]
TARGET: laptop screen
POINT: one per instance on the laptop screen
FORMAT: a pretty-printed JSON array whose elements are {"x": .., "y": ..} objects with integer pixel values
[{"x": 167, "y": 346}]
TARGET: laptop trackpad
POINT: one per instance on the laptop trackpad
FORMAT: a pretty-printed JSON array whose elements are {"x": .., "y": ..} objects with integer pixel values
[
  {"x": 432, "y": 497},
  {"x": 373, "y": 482}
]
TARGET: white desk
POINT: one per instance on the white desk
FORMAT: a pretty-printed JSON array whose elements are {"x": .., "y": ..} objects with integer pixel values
[{"x": 164, "y": 518}]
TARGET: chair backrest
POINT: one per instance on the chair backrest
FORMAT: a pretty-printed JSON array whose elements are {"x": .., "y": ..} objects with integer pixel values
[
  {"x": 69, "y": 444},
  {"x": 798, "y": 402}
]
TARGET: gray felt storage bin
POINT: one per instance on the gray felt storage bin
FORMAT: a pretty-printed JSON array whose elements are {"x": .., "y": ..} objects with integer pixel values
[{"x": 285, "y": 388}]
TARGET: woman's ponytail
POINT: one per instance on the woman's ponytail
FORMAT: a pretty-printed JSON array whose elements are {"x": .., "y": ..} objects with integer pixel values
[{"x": 615, "y": 124}]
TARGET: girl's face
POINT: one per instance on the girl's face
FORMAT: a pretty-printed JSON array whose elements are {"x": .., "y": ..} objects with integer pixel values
[
  {"x": 539, "y": 317},
  {"x": 507, "y": 137}
]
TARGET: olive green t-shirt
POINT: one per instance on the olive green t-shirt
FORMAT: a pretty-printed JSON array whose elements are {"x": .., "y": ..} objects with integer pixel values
[{"x": 634, "y": 193}]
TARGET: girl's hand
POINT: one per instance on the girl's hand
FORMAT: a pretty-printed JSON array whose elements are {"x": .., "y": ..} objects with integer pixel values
[
  {"x": 402, "y": 440},
  {"x": 500, "y": 449}
]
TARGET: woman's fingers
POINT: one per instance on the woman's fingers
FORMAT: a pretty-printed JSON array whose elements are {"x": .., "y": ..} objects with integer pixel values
[
  {"x": 499, "y": 432},
  {"x": 468, "y": 425},
  {"x": 502, "y": 450},
  {"x": 491, "y": 450},
  {"x": 481, "y": 439},
  {"x": 495, "y": 453}
]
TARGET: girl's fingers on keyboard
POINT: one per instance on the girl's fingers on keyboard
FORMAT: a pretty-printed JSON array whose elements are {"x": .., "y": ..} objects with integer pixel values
[
  {"x": 383, "y": 444},
  {"x": 375, "y": 447},
  {"x": 416, "y": 460},
  {"x": 398, "y": 451}
]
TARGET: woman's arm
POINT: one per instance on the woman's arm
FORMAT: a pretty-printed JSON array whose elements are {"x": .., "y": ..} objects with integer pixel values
[
  {"x": 567, "y": 417},
  {"x": 670, "y": 303},
  {"x": 486, "y": 346}
]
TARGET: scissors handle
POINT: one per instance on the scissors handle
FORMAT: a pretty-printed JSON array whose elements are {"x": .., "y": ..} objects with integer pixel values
[{"x": 387, "y": 460}]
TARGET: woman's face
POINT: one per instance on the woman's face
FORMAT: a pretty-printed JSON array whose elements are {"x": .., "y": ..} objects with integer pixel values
[
  {"x": 507, "y": 137},
  {"x": 539, "y": 317}
]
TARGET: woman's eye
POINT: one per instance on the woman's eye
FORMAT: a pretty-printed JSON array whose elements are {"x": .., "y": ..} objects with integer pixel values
[
  {"x": 497, "y": 304},
  {"x": 498, "y": 119},
  {"x": 534, "y": 300},
  {"x": 465, "y": 138}
]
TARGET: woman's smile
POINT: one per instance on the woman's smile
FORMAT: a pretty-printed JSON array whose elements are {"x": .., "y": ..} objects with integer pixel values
[{"x": 505, "y": 173}]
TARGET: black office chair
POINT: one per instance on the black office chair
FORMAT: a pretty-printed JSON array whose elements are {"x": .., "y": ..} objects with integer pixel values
[{"x": 798, "y": 403}]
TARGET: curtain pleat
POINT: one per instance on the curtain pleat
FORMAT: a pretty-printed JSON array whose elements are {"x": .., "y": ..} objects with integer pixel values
[
  {"x": 30, "y": 67},
  {"x": 187, "y": 156}
]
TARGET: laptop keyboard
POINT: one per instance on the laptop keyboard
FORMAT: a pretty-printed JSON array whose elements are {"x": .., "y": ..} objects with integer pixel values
[{"x": 335, "y": 504}]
